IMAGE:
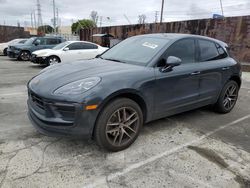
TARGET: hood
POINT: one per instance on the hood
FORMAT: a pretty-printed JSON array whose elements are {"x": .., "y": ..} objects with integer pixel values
[
  {"x": 4, "y": 44},
  {"x": 20, "y": 46},
  {"x": 59, "y": 75},
  {"x": 43, "y": 52}
]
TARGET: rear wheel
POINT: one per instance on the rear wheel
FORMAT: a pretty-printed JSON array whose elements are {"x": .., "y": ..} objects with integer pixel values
[
  {"x": 53, "y": 60},
  {"x": 118, "y": 125},
  {"x": 5, "y": 52},
  {"x": 228, "y": 97},
  {"x": 25, "y": 56}
]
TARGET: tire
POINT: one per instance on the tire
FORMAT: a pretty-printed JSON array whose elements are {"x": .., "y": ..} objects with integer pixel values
[
  {"x": 228, "y": 97},
  {"x": 25, "y": 56},
  {"x": 5, "y": 52},
  {"x": 111, "y": 131},
  {"x": 53, "y": 60}
]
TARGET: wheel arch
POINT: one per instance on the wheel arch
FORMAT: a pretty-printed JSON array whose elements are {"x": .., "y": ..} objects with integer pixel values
[
  {"x": 127, "y": 93},
  {"x": 236, "y": 79}
]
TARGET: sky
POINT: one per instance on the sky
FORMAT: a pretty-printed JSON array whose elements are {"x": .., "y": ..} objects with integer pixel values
[{"x": 114, "y": 12}]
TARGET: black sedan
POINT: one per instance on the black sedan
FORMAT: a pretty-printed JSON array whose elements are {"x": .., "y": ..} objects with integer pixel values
[{"x": 141, "y": 79}]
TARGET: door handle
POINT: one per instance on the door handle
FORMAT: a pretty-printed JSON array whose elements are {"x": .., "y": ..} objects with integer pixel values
[
  {"x": 225, "y": 68},
  {"x": 195, "y": 73}
]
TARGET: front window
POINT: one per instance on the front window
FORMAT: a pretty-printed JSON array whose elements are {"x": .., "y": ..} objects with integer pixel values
[
  {"x": 183, "y": 49},
  {"x": 136, "y": 50},
  {"x": 30, "y": 41},
  {"x": 61, "y": 46}
]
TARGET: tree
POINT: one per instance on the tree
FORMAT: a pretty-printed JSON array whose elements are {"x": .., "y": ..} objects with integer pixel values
[
  {"x": 82, "y": 24},
  {"x": 45, "y": 29},
  {"x": 94, "y": 16},
  {"x": 142, "y": 19}
]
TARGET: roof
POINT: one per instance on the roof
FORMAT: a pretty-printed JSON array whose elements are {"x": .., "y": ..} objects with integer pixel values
[{"x": 176, "y": 36}]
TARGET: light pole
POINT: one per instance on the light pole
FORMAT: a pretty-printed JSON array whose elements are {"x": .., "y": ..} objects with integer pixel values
[{"x": 162, "y": 7}]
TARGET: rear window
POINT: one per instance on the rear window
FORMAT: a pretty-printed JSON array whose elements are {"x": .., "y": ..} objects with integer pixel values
[{"x": 211, "y": 51}]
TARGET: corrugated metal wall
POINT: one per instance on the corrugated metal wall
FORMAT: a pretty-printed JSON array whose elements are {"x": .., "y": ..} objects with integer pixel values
[
  {"x": 233, "y": 30},
  {"x": 8, "y": 33}
]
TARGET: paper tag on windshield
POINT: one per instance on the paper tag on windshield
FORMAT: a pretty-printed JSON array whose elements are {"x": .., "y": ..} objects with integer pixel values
[{"x": 150, "y": 45}]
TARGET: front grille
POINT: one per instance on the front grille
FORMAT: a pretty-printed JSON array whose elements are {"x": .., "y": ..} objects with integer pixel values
[
  {"x": 52, "y": 109},
  {"x": 37, "y": 100}
]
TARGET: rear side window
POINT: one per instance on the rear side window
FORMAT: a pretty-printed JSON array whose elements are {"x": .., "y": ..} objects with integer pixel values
[
  {"x": 210, "y": 51},
  {"x": 88, "y": 46},
  {"x": 183, "y": 49},
  {"x": 51, "y": 41}
]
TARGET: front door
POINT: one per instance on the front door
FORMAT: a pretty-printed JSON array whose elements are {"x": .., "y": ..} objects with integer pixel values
[{"x": 178, "y": 89}]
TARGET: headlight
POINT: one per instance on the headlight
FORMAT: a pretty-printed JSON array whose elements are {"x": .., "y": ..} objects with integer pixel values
[
  {"x": 41, "y": 54},
  {"x": 78, "y": 87}
]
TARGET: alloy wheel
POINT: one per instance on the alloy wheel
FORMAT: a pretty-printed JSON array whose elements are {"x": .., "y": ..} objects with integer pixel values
[
  {"x": 122, "y": 126},
  {"x": 25, "y": 56},
  {"x": 230, "y": 97},
  {"x": 53, "y": 60}
]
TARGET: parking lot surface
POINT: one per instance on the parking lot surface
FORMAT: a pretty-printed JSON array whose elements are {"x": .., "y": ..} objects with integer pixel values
[{"x": 199, "y": 148}]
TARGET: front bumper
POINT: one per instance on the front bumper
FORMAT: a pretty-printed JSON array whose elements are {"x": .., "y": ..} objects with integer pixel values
[
  {"x": 38, "y": 60},
  {"x": 54, "y": 118},
  {"x": 13, "y": 54}
]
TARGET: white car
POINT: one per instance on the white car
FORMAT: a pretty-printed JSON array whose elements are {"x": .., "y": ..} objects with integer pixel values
[
  {"x": 4, "y": 46},
  {"x": 67, "y": 52}
]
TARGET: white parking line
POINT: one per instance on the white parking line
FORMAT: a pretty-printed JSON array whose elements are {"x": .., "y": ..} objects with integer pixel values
[
  {"x": 11, "y": 94},
  {"x": 103, "y": 180}
]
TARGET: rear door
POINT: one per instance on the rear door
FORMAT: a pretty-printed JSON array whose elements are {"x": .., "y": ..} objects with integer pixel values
[
  {"x": 213, "y": 64},
  {"x": 88, "y": 51}
]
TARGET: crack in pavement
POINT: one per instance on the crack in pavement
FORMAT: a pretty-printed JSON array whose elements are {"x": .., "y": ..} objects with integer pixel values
[
  {"x": 42, "y": 161},
  {"x": 215, "y": 158}
]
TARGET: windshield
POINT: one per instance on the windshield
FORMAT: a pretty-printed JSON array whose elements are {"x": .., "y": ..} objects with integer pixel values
[
  {"x": 60, "y": 46},
  {"x": 30, "y": 41},
  {"x": 136, "y": 50}
]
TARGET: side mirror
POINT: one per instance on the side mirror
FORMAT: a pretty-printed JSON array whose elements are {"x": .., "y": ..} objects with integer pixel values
[
  {"x": 66, "y": 49},
  {"x": 171, "y": 62}
]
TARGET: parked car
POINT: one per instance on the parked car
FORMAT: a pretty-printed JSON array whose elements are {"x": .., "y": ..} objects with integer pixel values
[
  {"x": 67, "y": 52},
  {"x": 139, "y": 80},
  {"x": 23, "y": 51},
  {"x": 4, "y": 46}
]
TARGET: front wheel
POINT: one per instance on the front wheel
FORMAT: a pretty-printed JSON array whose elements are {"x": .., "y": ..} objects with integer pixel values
[
  {"x": 25, "y": 56},
  {"x": 118, "y": 125},
  {"x": 52, "y": 60},
  {"x": 5, "y": 52},
  {"x": 228, "y": 97}
]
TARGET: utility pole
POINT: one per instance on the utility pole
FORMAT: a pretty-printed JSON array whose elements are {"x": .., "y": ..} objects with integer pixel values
[
  {"x": 57, "y": 19},
  {"x": 156, "y": 16},
  {"x": 31, "y": 20},
  {"x": 35, "y": 19},
  {"x": 162, "y": 8},
  {"x": 100, "y": 21},
  {"x": 54, "y": 19},
  {"x": 39, "y": 14},
  {"x": 221, "y": 6}
]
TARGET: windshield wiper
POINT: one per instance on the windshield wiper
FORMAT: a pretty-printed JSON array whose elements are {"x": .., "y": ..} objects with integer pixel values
[{"x": 116, "y": 60}]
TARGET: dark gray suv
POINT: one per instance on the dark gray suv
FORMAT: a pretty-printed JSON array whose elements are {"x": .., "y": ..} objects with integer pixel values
[
  {"x": 24, "y": 51},
  {"x": 141, "y": 79}
]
